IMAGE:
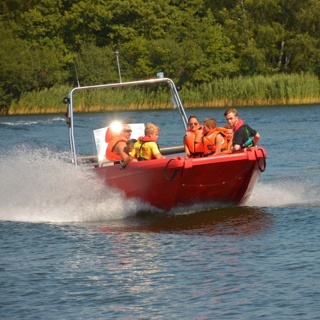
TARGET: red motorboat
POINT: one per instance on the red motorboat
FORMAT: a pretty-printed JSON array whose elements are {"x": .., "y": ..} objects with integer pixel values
[{"x": 226, "y": 179}]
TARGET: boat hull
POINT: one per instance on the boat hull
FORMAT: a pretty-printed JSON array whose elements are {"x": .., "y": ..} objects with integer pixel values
[{"x": 177, "y": 181}]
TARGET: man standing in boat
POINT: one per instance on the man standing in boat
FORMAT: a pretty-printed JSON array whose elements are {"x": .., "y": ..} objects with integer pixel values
[
  {"x": 117, "y": 143},
  {"x": 244, "y": 136}
]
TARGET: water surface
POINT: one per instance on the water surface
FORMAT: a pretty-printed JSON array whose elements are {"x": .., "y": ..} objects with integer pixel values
[{"x": 72, "y": 249}]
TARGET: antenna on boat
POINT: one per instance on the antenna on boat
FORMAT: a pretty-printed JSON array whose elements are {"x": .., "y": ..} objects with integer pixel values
[
  {"x": 75, "y": 68},
  {"x": 118, "y": 63}
]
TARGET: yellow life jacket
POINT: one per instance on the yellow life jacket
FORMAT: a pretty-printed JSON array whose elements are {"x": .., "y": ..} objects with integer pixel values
[{"x": 143, "y": 148}]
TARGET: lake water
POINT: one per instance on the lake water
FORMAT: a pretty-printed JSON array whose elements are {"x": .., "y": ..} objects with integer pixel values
[{"x": 71, "y": 249}]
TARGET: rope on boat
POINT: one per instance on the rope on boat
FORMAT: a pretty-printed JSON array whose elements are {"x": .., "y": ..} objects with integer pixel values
[
  {"x": 166, "y": 167},
  {"x": 262, "y": 169}
]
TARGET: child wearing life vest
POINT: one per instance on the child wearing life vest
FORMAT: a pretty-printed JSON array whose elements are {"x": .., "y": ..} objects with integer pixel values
[
  {"x": 229, "y": 138},
  {"x": 129, "y": 145},
  {"x": 214, "y": 138},
  {"x": 146, "y": 148}
]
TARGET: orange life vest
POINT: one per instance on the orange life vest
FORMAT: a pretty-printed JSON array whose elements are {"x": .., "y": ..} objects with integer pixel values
[
  {"x": 110, "y": 135},
  {"x": 196, "y": 149},
  {"x": 226, "y": 146},
  {"x": 111, "y": 154},
  {"x": 209, "y": 140}
]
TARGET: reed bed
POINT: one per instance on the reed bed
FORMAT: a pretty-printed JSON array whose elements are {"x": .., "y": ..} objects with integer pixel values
[
  {"x": 256, "y": 91},
  {"x": 241, "y": 91}
]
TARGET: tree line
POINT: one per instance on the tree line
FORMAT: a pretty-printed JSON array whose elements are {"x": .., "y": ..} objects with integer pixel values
[{"x": 48, "y": 43}]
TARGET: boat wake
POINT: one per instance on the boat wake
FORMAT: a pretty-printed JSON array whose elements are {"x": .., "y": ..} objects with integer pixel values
[
  {"x": 21, "y": 124},
  {"x": 297, "y": 191},
  {"x": 40, "y": 185}
]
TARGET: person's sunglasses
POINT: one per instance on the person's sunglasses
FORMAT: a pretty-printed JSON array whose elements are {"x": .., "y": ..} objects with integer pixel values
[
  {"x": 127, "y": 130},
  {"x": 193, "y": 123}
]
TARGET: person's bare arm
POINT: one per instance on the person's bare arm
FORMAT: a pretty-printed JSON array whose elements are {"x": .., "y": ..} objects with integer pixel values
[
  {"x": 120, "y": 148},
  {"x": 125, "y": 162},
  {"x": 218, "y": 142},
  {"x": 159, "y": 156},
  {"x": 236, "y": 147},
  {"x": 186, "y": 149},
  {"x": 256, "y": 139}
]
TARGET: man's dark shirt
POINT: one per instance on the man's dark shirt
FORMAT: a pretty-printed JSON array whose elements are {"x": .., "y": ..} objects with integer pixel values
[{"x": 241, "y": 136}]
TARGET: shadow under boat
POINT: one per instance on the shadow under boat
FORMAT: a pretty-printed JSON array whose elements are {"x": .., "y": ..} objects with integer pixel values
[{"x": 222, "y": 221}]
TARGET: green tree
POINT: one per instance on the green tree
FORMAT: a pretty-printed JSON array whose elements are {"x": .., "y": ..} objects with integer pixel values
[
  {"x": 16, "y": 71},
  {"x": 191, "y": 47},
  {"x": 272, "y": 35},
  {"x": 94, "y": 65},
  {"x": 193, "y": 41},
  {"x": 41, "y": 24},
  {"x": 87, "y": 21},
  {"x": 307, "y": 41}
]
